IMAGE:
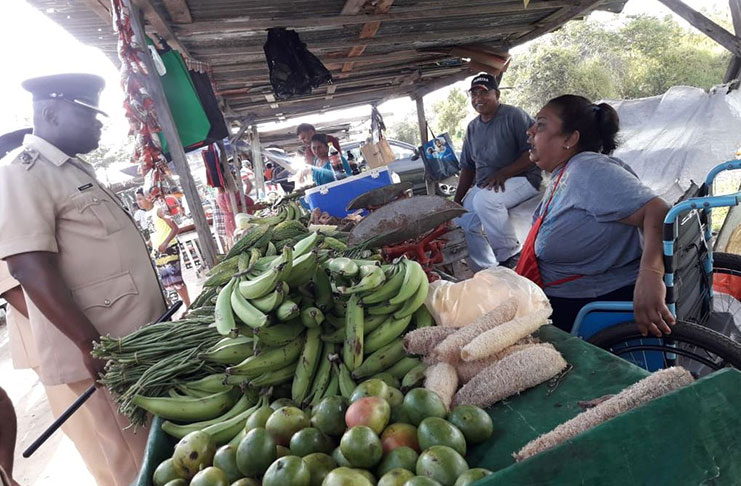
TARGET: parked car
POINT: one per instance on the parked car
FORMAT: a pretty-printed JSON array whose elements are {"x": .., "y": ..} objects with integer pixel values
[{"x": 408, "y": 166}]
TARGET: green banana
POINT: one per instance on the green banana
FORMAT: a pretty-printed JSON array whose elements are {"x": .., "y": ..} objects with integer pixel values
[
  {"x": 211, "y": 383},
  {"x": 303, "y": 270},
  {"x": 417, "y": 300},
  {"x": 371, "y": 323},
  {"x": 387, "y": 378},
  {"x": 322, "y": 289},
  {"x": 413, "y": 275},
  {"x": 333, "y": 387},
  {"x": 373, "y": 279},
  {"x": 385, "y": 333},
  {"x": 247, "y": 313},
  {"x": 306, "y": 244},
  {"x": 274, "y": 377},
  {"x": 388, "y": 290},
  {"x": 337, "y": 336},
  {"x": 383, "y": 308},
  {"x": 223, "y": 314},
  {"x": 188, "y": 409},
  {"x": 338, "y": 322},
  {"x": 312, "y": 317},
  {"x": 271, "y": 220},
  {"x": 339, "y": 307},
  {"x": 287, "y": 310},
  {"x": 403, "y": 366},
  {"x": 268, "y": 359},
  {"x": 230, "y": 353},
  {"x": 222, "y": 433},
  {"x": 179, "y": 431},
  {"x": 237, "y": 439},
  {"x": 243, "y": 262},
  {"x": 423, "y": 318},
  {"x": 272, "y": 250},
  {"x": 322, "y": 376},
  {"x": 343, "y": 267},
  {"x": 262, "y": 285},
  {"x": 414, "y": 377},
  {"x": 279, "y": 334},
  {"x": 330, "y": 243},
  {"x": 347, "y": 384},
  {"x": 269, "y": 302},
  {"x": 307, "y": 365},
  {"x": 381, "y": 360},
  {"x": 352, "y": 349},
  {"x": 263, "y": 264}
]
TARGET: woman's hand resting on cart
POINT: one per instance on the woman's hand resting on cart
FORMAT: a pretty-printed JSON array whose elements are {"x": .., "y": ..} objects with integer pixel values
[{"x": 649, "y": 304}]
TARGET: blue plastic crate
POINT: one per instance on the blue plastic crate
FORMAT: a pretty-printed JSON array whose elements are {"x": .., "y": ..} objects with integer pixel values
[{"x": 334, "y": 197}]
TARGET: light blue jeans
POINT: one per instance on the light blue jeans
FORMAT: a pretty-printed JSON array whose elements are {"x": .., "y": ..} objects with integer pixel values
[{"x": 490, "y": 235}]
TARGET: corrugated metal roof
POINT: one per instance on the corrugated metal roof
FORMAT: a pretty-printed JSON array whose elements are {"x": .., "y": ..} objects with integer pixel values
[{"x": 405, "y": 52}]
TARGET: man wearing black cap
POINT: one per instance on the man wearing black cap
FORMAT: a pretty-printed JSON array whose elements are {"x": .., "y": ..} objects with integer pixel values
[
  {"x": 496, "y": 175},
  {"x": 77, "y": 254}
]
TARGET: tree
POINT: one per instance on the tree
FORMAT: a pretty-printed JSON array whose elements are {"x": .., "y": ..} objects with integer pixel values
[
  {"x": 644, "y": 56},
  {"x": 448, "y": 115},
  {"x": 405, "y": 130}
]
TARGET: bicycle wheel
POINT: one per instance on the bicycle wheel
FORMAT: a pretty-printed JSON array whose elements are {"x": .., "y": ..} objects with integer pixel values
[
  {"x": 697, "y": 348},
  {"x": 726, "y": 317}
]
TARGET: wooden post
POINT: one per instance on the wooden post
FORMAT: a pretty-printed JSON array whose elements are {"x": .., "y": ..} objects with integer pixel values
[
  {"x": 422, "y": 120},
  {"x": 205, "y": 239},
  {"x": 232, "y": 186},
  {"x": 734, "y": 67},
  {"x": 705, "y": 25},
  {"x": 257, "y": 163}
]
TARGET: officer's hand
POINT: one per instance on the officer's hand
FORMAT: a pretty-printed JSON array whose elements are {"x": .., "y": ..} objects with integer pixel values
[
  {"x": 94, "y": 366},
  {"x": 495, "y": 182}
]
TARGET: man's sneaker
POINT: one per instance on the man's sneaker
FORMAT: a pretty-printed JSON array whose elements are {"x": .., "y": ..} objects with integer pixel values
[{"x": 511, "y": 262}]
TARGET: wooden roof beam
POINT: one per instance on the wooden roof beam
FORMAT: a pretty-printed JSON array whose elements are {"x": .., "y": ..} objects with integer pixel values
[
  {"x": 179, "y": 11},
  {"x": 368, "y": 31},
  {"x": 406, "y": 40},
  {"x": 706, "y": 26},
  {"x": 101, "y": 7},
  {"x": 157, "y": 21},
  {"x": 556, "y": 20},
  {"x": 340, "y": 21},
  {"x": 329, "y": 61}
]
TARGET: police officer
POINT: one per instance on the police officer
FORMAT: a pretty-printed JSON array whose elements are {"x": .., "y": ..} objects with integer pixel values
[{"x": 77, "y": 254}]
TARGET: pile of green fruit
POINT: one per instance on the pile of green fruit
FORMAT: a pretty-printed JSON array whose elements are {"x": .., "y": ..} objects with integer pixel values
[{"x": 376, "y": 437}]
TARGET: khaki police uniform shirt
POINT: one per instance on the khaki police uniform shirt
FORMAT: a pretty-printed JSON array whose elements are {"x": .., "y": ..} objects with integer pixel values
[
  {"x": 22, "y": 346},
  {"x": 52, "y": 202}
]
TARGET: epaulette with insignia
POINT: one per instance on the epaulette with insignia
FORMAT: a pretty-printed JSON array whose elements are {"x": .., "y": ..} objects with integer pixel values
[{"x": 27, "y": 158}]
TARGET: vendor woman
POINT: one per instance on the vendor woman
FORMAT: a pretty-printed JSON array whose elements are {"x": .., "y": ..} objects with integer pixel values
[
  {"x": 585, "y": 244},
  {"x": 323, "y": 171}
]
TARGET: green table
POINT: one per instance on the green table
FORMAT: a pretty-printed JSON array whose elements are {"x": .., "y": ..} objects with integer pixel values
[{"x": 630, "y": 449}]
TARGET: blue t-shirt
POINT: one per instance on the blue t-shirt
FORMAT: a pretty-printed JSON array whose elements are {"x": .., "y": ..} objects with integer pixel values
[
  {"x": 490, "y": 146},
  {"x": 324, "y": 174},
  {"x": 581, "y": 235}
]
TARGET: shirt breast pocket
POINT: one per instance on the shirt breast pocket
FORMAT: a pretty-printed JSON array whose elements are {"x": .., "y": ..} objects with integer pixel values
[{"x": 97, "y": 207}]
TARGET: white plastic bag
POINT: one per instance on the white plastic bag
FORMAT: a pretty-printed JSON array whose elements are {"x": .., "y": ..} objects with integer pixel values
[{"x": 458, "y": 304}]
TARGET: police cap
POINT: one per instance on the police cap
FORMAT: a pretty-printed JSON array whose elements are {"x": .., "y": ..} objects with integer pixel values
[
  {"x": 12, "y": 140},
  {"x": 81, "y": 89}
]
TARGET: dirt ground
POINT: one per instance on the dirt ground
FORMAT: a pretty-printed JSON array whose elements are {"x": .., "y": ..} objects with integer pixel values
[{"x": 57, "y": 461}]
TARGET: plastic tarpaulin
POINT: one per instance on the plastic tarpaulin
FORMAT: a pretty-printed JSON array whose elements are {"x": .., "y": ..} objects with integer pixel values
[{"x": 679, "y": 136}]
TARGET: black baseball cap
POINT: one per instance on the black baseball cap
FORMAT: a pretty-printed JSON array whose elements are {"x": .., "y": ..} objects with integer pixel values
[
  {"x": 78, "y": 88},
  {"x": 484, "y": 80}
]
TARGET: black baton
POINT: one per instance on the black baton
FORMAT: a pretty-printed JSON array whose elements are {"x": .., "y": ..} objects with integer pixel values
[{"x": 83, "y": 398}]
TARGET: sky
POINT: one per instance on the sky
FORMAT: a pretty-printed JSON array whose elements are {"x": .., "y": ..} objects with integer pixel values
[{"x": 34, "y": 46}]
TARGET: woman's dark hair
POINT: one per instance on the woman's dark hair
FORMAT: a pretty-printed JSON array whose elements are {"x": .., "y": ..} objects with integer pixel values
[
  {"x": 305, "y": 127},
  {"x": 598, "y": 125},
  {"x": 320, "y": 137},
  {"x": 140, "y": 191}
]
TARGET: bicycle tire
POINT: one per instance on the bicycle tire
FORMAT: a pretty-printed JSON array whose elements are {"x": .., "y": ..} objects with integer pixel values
[
  {"x": 688, "y": 332},
  {"x": 726, "y": 261}
]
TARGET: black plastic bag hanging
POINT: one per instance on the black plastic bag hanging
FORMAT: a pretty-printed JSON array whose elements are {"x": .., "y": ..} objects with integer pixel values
[{"x": 294, "y": 70}]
